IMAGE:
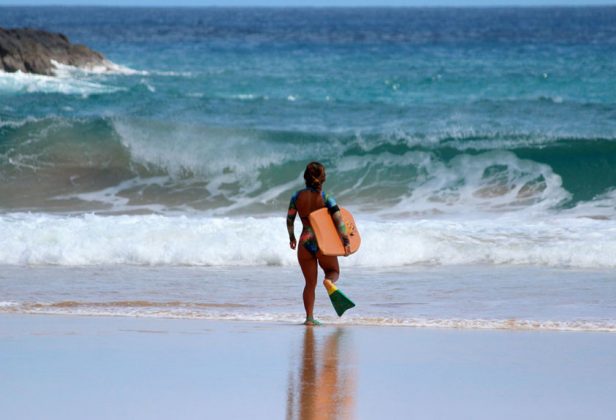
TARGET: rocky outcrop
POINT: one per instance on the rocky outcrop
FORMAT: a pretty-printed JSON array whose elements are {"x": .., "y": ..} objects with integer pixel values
[{"x": 32, "y": 51}]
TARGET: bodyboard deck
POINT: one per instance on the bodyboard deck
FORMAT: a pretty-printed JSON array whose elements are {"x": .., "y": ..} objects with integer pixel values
[{"x": 328, "y": 239}]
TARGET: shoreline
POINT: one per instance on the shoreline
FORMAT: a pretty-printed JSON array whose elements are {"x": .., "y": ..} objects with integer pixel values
[
  {"x": 511, "y": 325},
  {"x": 464, "y": 297},
  {"x": 156, "y": 368}
]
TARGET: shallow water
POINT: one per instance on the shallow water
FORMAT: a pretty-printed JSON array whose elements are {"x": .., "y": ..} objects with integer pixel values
[{"x": 467, "y": 297}]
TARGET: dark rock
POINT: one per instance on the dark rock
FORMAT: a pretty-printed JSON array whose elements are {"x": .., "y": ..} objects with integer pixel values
[{"x": 31, "y": 51}]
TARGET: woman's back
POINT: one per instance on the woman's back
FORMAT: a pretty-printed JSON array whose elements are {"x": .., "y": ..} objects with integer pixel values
[{"x": 309, "y": 200}]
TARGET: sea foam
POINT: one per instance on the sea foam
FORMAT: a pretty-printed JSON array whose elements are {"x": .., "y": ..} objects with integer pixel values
[
  {"x": 40, "y": 239},
  {"x": 177, "y": 311},
  {"x": 19, "y": 82}
]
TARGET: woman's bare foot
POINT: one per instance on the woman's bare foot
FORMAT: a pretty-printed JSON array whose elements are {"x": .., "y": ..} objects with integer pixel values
[{"x": 310, "y": 321}]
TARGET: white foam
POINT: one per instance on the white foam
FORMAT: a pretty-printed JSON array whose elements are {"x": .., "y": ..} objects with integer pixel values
[
  {"x": 245, "y": 96},
  {"x": 19, "y": 123},
  {"x": 106, "y": 67},
  {"x": 296, "y": 318},
  {"x": 19, "y": 82},
  {"x": 602, "y": 206},
  {"x": 491, "y": 324},
  {"x": 187, "y": 74},
  {"x": 112, "y": 197},
  {"x": 148, "y": 85},
  {"x": 464, "y": 138},
  {"x": 32, "y": 239},
  {"x": 491, "y": 182},
  {"x": 144, "y": 240},
  {"x": 68, "y": 80}
]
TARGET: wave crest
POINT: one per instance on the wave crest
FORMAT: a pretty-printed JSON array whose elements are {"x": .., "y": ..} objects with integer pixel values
[{"x": 132, "y": 164}]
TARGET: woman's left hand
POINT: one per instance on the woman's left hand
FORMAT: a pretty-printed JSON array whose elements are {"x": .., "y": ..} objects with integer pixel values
[
  {"x": 347, "y": 250},
  {"x": 292, "y": 243}
]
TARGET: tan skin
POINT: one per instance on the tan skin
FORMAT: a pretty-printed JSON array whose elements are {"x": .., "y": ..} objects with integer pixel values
[{"x": 308, "y": 262}]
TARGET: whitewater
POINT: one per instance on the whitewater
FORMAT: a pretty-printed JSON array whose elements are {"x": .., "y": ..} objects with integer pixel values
[{"x": 37, "y": 239}]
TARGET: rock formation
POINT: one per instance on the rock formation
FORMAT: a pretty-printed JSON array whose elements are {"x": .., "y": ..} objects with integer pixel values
[{"x": 32, "y": 51}]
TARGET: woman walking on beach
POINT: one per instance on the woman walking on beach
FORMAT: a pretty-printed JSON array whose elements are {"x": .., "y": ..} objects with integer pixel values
[{"x": 304, "y": 202}]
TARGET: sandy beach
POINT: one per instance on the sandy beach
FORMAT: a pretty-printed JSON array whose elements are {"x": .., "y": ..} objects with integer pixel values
[{"x": 110, "y": 367}]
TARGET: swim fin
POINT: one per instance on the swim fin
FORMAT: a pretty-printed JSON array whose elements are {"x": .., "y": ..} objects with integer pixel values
[{"x": 339, "y": 300}]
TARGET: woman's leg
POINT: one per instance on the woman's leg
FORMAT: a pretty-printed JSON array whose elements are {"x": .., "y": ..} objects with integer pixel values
[
  {"x": 308, "y": 263},
  {"x": 330, "y": 266}
]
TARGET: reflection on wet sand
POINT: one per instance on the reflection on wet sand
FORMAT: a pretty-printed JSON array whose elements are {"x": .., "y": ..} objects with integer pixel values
[{"x": 324, "y": 385}]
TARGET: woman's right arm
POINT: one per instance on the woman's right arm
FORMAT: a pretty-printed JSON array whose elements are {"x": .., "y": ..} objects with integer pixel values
[{"x": 291, "y": 213}]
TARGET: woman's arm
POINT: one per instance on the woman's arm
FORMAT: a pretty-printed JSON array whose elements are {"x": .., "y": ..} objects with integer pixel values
[
  {"x": 291, "y": 213},
  {"x": 334, "y": 211},
  {"x": 342, "y": 230}
]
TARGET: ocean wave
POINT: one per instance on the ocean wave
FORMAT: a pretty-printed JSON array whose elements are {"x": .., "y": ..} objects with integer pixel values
[
  {"x": 41, "y": 239},
  {"x": 197, "y": 149},
  {"x": 495, "y": 181},
  {"x": 479, "y": 139},
  {"x": 420, "y": 180},
  {"x": 131, "y": 164},
  {"x": 20, "y": 122}
]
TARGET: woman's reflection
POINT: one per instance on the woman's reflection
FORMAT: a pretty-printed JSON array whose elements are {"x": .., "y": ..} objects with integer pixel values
[{"x": 326, "y": 380}]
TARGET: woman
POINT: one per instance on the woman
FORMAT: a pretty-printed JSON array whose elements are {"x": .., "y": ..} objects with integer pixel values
[{"x": 305, "y": 202}]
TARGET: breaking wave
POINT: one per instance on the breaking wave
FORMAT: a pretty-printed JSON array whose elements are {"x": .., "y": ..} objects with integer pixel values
[{"x": 130, "y": 164}]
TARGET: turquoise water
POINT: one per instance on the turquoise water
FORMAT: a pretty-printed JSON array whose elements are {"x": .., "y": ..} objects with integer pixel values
[{"x": 216, "y": 111}]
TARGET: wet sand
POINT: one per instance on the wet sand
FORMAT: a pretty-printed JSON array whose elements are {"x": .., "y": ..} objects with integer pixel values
[{"x": 58, "y": 367}]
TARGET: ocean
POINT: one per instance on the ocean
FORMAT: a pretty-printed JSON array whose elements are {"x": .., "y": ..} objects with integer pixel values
[{"x": 476, "y": 147}]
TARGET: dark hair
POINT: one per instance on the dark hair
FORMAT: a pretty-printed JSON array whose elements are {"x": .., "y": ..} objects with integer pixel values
[{"x": 314, "y": 175}]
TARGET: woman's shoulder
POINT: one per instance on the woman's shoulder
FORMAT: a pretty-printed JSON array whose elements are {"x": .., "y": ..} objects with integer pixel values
[
  {"x": 296, "y": 194},
  {"x": 326, "y": 197},
  {"x": 328, "y": 200}
]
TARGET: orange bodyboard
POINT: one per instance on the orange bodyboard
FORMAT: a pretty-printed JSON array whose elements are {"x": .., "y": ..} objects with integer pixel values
[{"x": 328, "y": 239}]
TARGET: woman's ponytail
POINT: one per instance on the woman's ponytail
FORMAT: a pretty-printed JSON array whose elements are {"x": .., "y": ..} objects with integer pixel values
[{"x": 314, "y": 175}]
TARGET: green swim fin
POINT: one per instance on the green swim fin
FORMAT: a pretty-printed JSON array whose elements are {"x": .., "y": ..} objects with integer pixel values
[{"x": 339, "y": 300}]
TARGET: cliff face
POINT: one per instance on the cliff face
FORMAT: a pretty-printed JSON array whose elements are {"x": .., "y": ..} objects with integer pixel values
[{"x": 31, "y": 51}]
